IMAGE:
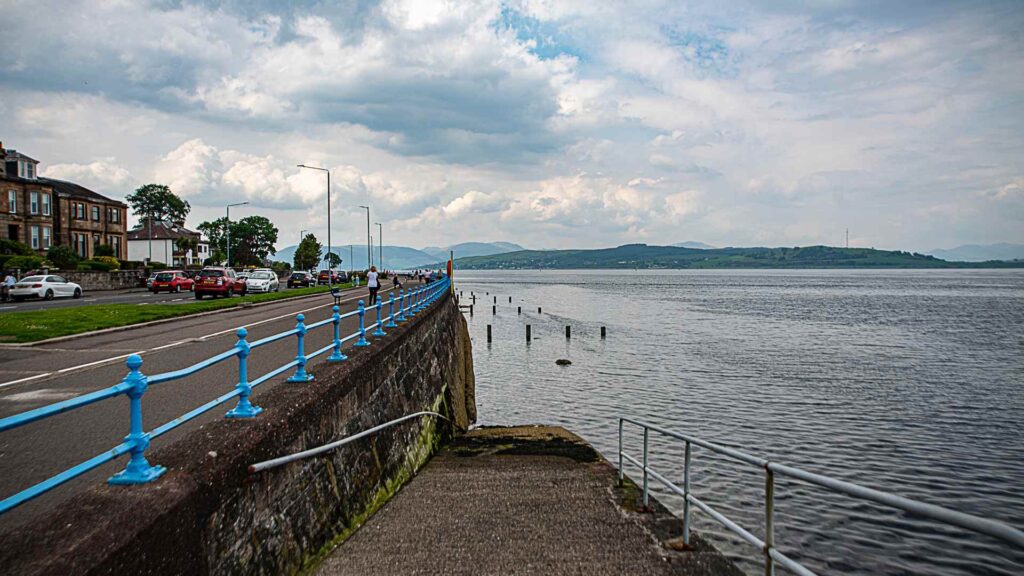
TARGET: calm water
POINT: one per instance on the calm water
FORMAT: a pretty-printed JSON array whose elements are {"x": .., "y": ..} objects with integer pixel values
[{"x": 908, "y": 381}]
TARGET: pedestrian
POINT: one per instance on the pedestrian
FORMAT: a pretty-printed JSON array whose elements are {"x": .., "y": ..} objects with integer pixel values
[
  {"x": 372, "y": 284},
  {"x": 397, "y": 283},
  {"x": 8, "y": 285}
]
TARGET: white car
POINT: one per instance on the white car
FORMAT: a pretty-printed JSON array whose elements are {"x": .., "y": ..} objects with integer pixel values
[
  {"x": 46, "y": 287},
  {"x": 262, "y": 281}
]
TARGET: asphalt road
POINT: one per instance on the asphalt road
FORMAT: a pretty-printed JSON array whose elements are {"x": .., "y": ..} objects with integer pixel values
[
  {"x": 31, "y": 377},
  {"x": 139, "y": 296}
]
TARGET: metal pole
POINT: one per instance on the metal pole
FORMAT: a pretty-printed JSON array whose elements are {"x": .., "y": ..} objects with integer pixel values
[
  {"x": 621, "y": 472},
  {"x": 686, "y": 494},
  {"x": 330, "y": 261},
  {"x": 646, "y": 496},
  {"x": 769, "y": 521},
  {"x": 380, "y": 245},
  {"x": 150, "y": 223},
  {"x": 227, "y": 228}
]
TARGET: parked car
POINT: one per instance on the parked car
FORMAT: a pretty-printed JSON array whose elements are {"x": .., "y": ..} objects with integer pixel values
[
  {"x": 149, "y": 281},
  {"x": 46, "y": 287},
  {"x": 217, "y": 281},
  {"x": 262, "y": 281},
  {"x": 327, "y": 277},
  {"x": 301, "y": 279},
  {"x": 172, "y": 281}
]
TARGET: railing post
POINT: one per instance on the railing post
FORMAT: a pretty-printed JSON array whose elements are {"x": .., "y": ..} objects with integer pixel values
[
  {"x": 621, "y": 471},
  {"x": 391, "y": 313},
  {"x": 362, "y": 326},
  {"x": 769, "y": 521},
  {"x": 244, "y": 409},
  {"x": 686, "y": 495},
  {"x": 380, "y": 325},
  {"x": 337, "y": 356},
  {"x": 300, "y": 370},
  {"x": 401, "y": 306},
  {"x": 646, "y": 495},
  {"x": 412, "y": 301},
  {"x": 138, "y": 470}
]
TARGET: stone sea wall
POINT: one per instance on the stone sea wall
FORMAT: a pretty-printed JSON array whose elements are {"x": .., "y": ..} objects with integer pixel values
[{"x": 209, "y": 515}]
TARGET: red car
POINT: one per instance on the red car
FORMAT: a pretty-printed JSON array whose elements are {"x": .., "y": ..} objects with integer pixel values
[
  {"x": 172, "y": 281},
  {"x": 218, "y": 282}
]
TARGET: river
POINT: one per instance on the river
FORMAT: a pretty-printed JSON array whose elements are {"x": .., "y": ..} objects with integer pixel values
[{"x": 910, "y": 381}]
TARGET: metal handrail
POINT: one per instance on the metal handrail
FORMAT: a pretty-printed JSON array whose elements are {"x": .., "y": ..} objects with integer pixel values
[
  {"x": 772, "y": 554},
  {"x": 134, "y": 385}
]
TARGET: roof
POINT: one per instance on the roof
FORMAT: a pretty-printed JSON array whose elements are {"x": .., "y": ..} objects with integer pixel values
[
  {"x": 162, "y": 230},
  {"x": 14, "y": 155},
  {"x": 78, "y": 191}
]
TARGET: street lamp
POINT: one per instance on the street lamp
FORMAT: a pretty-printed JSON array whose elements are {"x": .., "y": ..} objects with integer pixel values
[
  {"x": 227, "y": 226},
  {"x": 328, "y": 207},
  {"x": 380, "y": 245},
  {"x": 350, "y": 262},
  {"x": 369, "y": 250}
]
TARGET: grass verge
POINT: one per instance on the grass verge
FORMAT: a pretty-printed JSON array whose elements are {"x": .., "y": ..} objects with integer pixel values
[{"x": 36, "y": 325}]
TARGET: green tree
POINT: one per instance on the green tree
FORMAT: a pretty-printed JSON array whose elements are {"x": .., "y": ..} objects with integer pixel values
[
  {"x": 307, "y": 255},
  {"x": 252, "y": 238},
  {"x": 15, "y": 247},
  {"x": 332, "y": 259},
  {"x": 157, "y": 201},
  {"x": 63, "y": 257}
]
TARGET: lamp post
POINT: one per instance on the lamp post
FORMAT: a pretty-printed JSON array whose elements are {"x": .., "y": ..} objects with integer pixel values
[
  {"x": 369, "y": 251},
  {"x": 227, "y": 227},
  {"x": 328, "y": 208},
  {"x": 380, "y": 245},
  {"x": 350, "y": 262}
]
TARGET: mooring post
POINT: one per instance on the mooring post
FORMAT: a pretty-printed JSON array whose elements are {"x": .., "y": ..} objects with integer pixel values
[
  {"x": 495, "y": 299},
  {"x": 527, "y": 332},
  {"x": 567, "y": 333},
  {"x": 138, "y": 470},
  {"x": 538, "y": 309},
  {"x": 470, "y": 309},
  {"x": 488, "y": 333},
  {"x": 300, "y": 370},
  {"x": 362, "y": 326},
  {"x": 509, "y": 299},
  {"x": 494, "y": 310},
  {"x": 602, "y": 332},
  {"x": 519, "y": 309},
  {"x": 244, "y": 409}
]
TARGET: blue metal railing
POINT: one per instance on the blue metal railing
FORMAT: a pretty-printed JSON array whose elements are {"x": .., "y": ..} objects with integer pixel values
[{"x": 139, "y": 470}]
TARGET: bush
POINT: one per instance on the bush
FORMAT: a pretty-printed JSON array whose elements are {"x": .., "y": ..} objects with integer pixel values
[
  {"x": 25, "y": 263},
  {"x": 132, "y": 265},
  {"x": 104, "y": 250},
  {"x": 157, "y": 266},
  {"x": 114, "y": 263},
  {"x": 15, "y": 248},
  {"x": 63, "y": 257},
  {"x": 3, "y": 260},
  {"x": 95, "y": 265}
]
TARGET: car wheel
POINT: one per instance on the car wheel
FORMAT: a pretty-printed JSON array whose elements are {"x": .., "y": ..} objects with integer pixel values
[
  {"x": 199, "y": 296},
  {"x": 17, "y": 298},
  {"x": 78, "y": 293},
  {"x": 49, "y": 295},
  {"x": 231, "y": 292},
  {"x": 177, "y": 288}
]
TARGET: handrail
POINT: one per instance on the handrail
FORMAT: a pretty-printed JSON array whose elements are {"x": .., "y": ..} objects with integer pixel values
[
  {"x": 772, "y": 555},
  {"x": 134, "y": 385},
  {"x": 282, "y": 460}
]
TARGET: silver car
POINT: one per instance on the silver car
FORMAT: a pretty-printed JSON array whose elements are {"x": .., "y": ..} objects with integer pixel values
[{"x": 46, "y": 287}]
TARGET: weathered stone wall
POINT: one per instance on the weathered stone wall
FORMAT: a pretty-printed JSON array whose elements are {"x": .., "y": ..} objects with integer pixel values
[
  {"x": 208, "y": 515},
  {"x": 117, "y": 280}
]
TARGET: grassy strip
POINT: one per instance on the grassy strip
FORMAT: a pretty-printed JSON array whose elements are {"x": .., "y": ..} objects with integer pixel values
[{"x": 36, "y": 325}]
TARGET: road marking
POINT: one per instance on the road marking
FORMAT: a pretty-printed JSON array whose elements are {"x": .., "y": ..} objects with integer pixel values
[{"x": 178, "y": 343}]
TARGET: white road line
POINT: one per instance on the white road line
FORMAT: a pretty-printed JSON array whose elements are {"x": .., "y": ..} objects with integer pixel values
[{"x": 199, "y": 339}]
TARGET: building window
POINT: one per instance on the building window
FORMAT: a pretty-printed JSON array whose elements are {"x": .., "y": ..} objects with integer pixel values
[
  {"x": 46, "y": 204},
  {"x": 26, "y": 170},
  {"x": 80, "y": 245},
  {"x": 33, "y": 202},
  {"x": 115, "y": 215},
  {"x": 96, "y": 213},
  {"x": 115, "y": 243},
  {"x": 35, "y": 237},
  {"x": 79, "y": 211},
  {"x": 46, "y": 237},
  {"x": 12, "y": 201}
]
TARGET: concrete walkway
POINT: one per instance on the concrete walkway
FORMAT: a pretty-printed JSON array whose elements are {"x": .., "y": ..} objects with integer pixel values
[{"x": 526, "y": 500}]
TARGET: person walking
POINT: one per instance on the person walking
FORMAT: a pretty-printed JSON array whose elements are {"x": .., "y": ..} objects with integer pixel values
[
  {"x": 8, "y": 285},
  {"x": 373, "y": 284},
  {"x": 396, "y": 282}
]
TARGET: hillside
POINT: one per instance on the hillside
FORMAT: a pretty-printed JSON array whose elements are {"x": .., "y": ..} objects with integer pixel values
[
  {"x": 644, "y": 256},
  {"x": 395, "y": 257},
  {"x": 982, "y": 252},
  {"x": 468, "y": 249}
]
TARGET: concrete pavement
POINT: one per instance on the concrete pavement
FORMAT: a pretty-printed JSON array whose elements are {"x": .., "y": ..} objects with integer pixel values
[{"x": 36, "y": 451}]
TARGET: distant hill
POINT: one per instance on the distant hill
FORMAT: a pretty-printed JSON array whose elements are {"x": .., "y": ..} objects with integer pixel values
[
  {"x": 467, "y": 249},
  {"x": 395, "y": 257},
  {"x": 982, "y": 252},
  {"x": 698, "y": 245},
  {"x": 644, "y": 256}
]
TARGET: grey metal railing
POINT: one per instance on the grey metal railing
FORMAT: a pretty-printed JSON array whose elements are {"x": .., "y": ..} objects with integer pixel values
[{"x": 771, "y": 554}]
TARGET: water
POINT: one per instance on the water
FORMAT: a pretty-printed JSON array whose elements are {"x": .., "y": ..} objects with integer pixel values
[{"x": 907, "y": 381}]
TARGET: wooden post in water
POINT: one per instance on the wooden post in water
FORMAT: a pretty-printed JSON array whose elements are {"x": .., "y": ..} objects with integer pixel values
[
  {"x": 509, "y": 299},
  {"x": 538, "y": 309},
  {"x": 527, "y": 332},
  {"x": 567, "y": 333},
  {"x": 519, "y": 309},
  {"x": 494, "y": 310},
  {"x": 488, "y": 333},
  {"x": 495, "y": 299},
  {"x": 470, "y": 309},
  {"x": 602, "y": 332}
]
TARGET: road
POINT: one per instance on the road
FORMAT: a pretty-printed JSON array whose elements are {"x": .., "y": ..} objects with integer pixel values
[
  {"x": 31, "y": 377},
  {"x": 139, "y": 296}
]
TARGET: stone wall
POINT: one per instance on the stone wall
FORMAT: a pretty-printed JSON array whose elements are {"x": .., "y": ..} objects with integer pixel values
[
  {"x": 118, "y": 280},
  {"x": 209, "y": 515}
]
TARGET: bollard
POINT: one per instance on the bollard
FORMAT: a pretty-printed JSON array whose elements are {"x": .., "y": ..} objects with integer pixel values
[
  {"x": 380, "y": 326},
  {"x": 488, "y": 333},
  {"x": 362, "y": 326},
  {"x": 138, "y": 470},
  {"x": 244, "y": 409},
  {"x": 567, "y": 333},
  {"x": 538, "y": 309},
  {"x": 509, "y": 299},
  {"x": 391, "y": 313},
  {"x": 300, "y": 370},
  {"x": 494, "y": 310},
  {"x": 602, "y": 332},
  {"x": 470, "y": 309},
  {"x": 527, "y": 332},
  {"x": 337, "y": 356},
  {"x": 519, "y": 309}
]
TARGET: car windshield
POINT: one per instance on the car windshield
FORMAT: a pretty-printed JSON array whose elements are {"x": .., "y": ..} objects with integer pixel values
[
  {"x": 299, "y": 275},
  {"x": 261, "y": 276},
  {"x": 211, "y": 273},
  {"x": 32, "y": 279},
  {"x": 164, "y": 277}
]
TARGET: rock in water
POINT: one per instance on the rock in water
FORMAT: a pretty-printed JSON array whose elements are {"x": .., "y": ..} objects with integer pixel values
[{"x": 562, "y": 362}]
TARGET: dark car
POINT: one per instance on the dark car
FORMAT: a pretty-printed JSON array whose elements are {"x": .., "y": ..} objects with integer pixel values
[
  {"x": 217, "y": 281},
  {"x": 301, "y": 279}
]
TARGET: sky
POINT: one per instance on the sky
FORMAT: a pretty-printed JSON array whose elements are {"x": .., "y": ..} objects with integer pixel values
[{"x": 553, "y": 124}]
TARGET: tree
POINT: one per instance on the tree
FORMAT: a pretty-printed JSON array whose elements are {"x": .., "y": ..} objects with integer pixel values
[
  {"x": 63, "y": 257},
  {"x": 332, "y": 259},
  {"x": 307, "y": 255},
  {"x": 252, "y": 238},
  {"x": 157, "y": 201}
]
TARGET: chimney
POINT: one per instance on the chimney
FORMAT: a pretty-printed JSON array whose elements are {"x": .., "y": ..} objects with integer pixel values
[{"x": 3, "y": 160}]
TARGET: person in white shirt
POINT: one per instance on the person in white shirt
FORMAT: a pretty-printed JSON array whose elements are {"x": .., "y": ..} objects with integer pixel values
[
  {"x": 372, "y": 284},
  {"x": 8, "y": 284}
]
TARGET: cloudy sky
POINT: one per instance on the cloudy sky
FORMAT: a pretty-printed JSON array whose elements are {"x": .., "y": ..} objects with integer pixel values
[{"x": 554, "y": 124}]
